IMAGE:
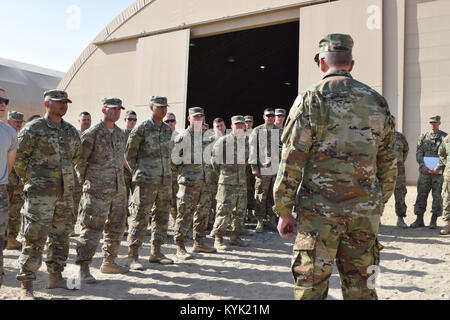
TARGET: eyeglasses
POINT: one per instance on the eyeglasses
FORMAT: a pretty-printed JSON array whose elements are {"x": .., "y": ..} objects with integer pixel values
[
  {"x": 5, "y": 101},
  {"x": 270, "y": 115},
  {"x": 132, "y": 119},
  {"x": 170, "y": 121}
]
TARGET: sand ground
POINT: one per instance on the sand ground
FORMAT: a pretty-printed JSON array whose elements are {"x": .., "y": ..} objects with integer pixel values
[{"x": 415, "y": 264}]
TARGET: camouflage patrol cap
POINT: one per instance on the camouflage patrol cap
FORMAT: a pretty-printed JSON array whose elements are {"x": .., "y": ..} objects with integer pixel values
[
  {"x": 112, "y": 103},
  {"x": 237, "y": 119},
  {"x": 248, "y": 118},
  {"x": 56, "y": 95},
  {"x": 280, "y": 112},
  {"x": 158, "y": 101},
  {"x": 15, "y": 115},
  {"x": 435, "y": 119},
  {"x": 335, "y": 42},
  {"x": 196, "y": 111}
]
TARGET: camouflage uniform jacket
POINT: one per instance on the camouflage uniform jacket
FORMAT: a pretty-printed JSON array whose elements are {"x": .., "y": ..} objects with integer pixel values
[
  {"x": 46, "y": 157},
  {"x": 401, "y": 149},
  {"x": 342, "y": 134},
  {"x": 211, "y": 175},
  {"x": 262, "y": 157},
  {"x": 428, "y": 146},
  {"x": 14, "y": 180},
  {"x": 192, "y": 169},
  {"x": 444, "y": 155},
  {"x": 231, "y": 171},
  {"x": 148, "y": 153},
  {"x": 100, "y": 169}
]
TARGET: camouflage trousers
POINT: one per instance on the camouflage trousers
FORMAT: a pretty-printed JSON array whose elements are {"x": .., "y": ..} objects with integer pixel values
[
  {"x": 264, "y": 195},
  {"x": 446, "y": 200},
  {"x": 15, "y": 204},
  {"x": 231, "y": 208},
  {"x": 45, "y": 216},
  {"x": 141, "y": 213},
  {"x": 352, "y": 241},
  {"x": 77, "y": 193},
  {"x": 212, "y": 191},
  {"x": 3, "y": 225},
  {"x": 101, "y": 213},
  {"x": 400, "y": 194},
  {"x": 424, "y": 185},
  {"x": 193, "y": 203},
  {"x": 173, "y": 203},
  {"x": 129, "y": 189},
  {"x": 251, "y": 205}
]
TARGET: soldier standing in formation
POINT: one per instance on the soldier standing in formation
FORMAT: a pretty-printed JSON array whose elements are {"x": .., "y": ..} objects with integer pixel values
[
  {"x": 338, "y": 147},
  {"x": 8, "y": 149},
  {"x": 401, "y": 149},
  {"x": 103, "y": 203},
  {"x": 263, "y": 141},
  {"x": 193, "y": 200},
  {"x": 232, "y": 193},
  {"x": 48, "y": 151},
  {"x": 130, "y": 123},
  {"x": 171, "y": 120},
  {"x": 280, "y": 117},
  {"x": 251, "y": 205},
  {"x": 428, "y": 146},
  {"x": 444, "y": 164},
  {"x": 148, "y": 154},
  {"x": 15, "y": 191},
  {"x": 85, "y": 121}
]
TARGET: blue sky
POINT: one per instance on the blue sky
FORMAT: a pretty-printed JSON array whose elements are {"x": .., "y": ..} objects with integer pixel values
[{"x": 53, "y": 33}]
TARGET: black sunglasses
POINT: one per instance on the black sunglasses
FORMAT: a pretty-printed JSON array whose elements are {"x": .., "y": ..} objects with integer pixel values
[
  {"x": 5, "y": 101},
  {"x": 170, "y": 121},
  {"x": 270, "y": 115},
  {"x": 131, "y": 119}
]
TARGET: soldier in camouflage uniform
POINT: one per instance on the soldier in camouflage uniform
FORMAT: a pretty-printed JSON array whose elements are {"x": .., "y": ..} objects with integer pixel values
[
  {"x": 338, "y": 147},
  {"x": 49, "y": 148},
  {"x": 444, "y": 166},
  {"x": 230, "y": 163},
  {"x": 210, "y": 175},
  {"x": 15, "y": 191},
  {"x": 8, "y": 149},
  {"x": 280, "y": 117},
  {"x": 103, "y": 203},
  {"x": 148, "y": 154},
  {"x": 251, "y": 204},
  {"x": 193, "y": 201},
  {"x": 171, "y": 120},
  {"x": 130, "y": 123},
  {"x": 264, "y": 159},
  {"x": 428, "y": 146},
  {"x": 401, "y": 149}
]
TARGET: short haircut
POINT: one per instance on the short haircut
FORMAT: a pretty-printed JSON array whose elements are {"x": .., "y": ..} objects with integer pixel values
[
  {"x": 33, "y": 117},
  {"x": 84, "y": 113},
  {"x": 131, "y": 112},
  {"x": 337, "y": 59},
  {"x": 218, "y": 120},
  {"x": 171, "y": 114},
  {"x": 269, "y": 110}
]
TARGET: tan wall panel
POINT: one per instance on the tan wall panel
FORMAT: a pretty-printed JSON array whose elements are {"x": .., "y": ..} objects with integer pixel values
[
  {"x": 345, "y": 16},
  {"x": 167, "y": 14},
  {"x": 162, "y": 69},
  {"x": 427, "y": 71}
]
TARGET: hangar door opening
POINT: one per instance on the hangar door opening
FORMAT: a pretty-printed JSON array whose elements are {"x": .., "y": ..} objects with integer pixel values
[{"x": 244, "y": 72}]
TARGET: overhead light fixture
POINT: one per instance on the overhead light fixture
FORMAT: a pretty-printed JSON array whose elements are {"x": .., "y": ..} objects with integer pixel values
[
  {"x": 262, "y": 67},
  {"x": 192, "y": 44},
  {"x": 231, "y": 59},
  {"x": 288, "y": 83}
]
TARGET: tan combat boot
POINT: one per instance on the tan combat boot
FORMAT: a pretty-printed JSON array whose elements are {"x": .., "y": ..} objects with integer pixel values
[
  {"x": 157, "y": 257},
  {"x": 110, "y": 267},
  {"x": 418, "y": 223},
  {"x": 260, "y": 225},
  {"x": 133, "y": 259},
  {"x": 200, "y": 246},
  {"x": 236, "y": 241},
  {"x": 219, "y": 244},
  {"x": 85, "y": 274},
  {"x": 182, "y": 254},
  {"x": 26, "y": 290},
  {"x": 13, "y": 244},
  {"x": 446, "y": 230},
  {"x": 401, "y": 223},
  {"x": 56, "y": 281},
  {"x": 433, "y": 222}
]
